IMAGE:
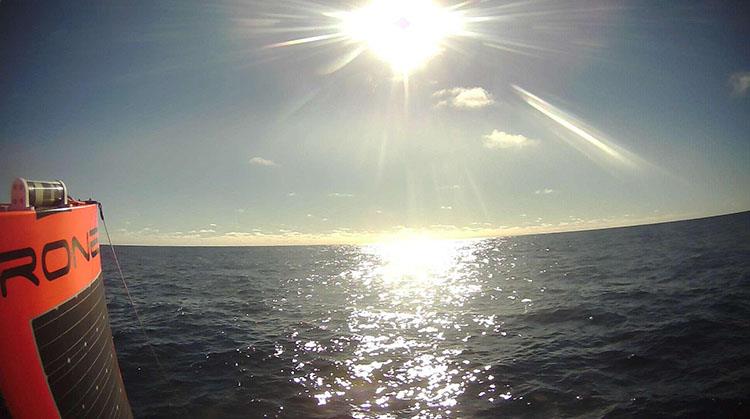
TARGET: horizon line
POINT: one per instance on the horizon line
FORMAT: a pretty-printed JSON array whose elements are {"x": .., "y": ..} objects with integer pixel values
[{"x": 479, "y": 237}]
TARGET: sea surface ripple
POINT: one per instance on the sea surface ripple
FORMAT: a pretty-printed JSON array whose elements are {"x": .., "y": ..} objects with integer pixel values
[{"x": 650, "y": 321}]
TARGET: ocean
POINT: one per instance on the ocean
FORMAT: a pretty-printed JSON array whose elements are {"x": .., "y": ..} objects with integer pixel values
[{"x": 650, "y": 321}]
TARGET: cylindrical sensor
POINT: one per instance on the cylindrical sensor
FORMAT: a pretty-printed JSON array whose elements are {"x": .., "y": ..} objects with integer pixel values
[{"x": 26, "y": 194}]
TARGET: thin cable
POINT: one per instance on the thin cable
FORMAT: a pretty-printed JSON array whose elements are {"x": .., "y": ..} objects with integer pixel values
[{"x": 130, "y": 298}]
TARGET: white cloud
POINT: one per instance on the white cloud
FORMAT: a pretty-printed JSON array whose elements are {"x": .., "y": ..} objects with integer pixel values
[
  {"x": 740, "y": 83},
  {"x": 238, "y": 234},
  {"x": 260, "y": 161},
  {"x": 500, "y": 139},
  {"x": 340, "y": 195},
  {"x": 447, "y": 208},
  {"x": 290, "y": 235},
  {"x": 290, "y": 194},
  {"x": 466, "y": 98},
  {"x": 545, "y": 191},
  {"x": 194, "y": 232}
]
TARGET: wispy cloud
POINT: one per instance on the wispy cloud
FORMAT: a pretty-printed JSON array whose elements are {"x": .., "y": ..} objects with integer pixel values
[
  {"x": 462, "y": 97},
  {"x": 260, "y": 161},
  {"x": 545, "y": 191},
  {"x": 499, "y": 139},
  {"x": 340, "y": 195},
  {"x": 740, "y": 83},
  {"x": 341, "y": 235}
]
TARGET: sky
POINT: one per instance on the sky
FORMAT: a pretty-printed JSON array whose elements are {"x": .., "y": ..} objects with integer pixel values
[{"x": 296, "y": 122}]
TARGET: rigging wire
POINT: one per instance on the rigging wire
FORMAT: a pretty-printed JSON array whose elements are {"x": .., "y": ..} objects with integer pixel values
[{"x": 130, "y": 298}]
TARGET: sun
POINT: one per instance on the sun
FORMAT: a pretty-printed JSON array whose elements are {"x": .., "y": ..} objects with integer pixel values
[{"x": 406, "y": 34}]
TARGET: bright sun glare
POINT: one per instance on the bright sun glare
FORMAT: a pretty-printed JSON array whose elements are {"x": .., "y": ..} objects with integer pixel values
[
  {"x": 407, "y": 34},
  {"x": 404, "y": 33}
]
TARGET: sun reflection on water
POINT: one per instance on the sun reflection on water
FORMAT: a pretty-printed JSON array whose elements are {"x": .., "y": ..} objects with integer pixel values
[
  {"x": 415, "y": 262},
  {"x": 406, "y": 343}
]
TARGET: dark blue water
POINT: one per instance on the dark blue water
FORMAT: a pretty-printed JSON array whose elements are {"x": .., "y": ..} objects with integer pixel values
[{"x": 649, "y": 321}]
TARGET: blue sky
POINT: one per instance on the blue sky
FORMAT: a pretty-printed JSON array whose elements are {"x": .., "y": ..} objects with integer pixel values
[{"x": 192, "y": 127}]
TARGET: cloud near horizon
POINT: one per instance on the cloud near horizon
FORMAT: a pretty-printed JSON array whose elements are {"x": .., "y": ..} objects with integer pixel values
[
  {"x": 260, "y": 161},
  {"x": 340, "y": 195},
  {"x": 740, "y": 83},
  {"x": 341, "y": 235},
  {"x": 503, "y": 140},
  {"x": 463, "y": 98}
]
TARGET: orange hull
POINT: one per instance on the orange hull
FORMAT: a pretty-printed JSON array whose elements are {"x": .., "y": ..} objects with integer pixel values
[{"x": 57, "y": 357}]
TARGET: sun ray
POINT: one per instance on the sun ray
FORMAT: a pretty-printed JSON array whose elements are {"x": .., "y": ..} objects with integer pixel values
[
  {"x": 407, "y": 34},
  {"x": 591, "y": 142},
  {"x": 307, "y": 40},
  {"x": 510, "y": 50},
  {"x": 343, "y": 61}
]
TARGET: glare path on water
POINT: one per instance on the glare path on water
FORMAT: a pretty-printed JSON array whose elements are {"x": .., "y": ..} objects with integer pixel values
[
  {"x": 410, "y": 313},
  {"x": 392, "y": 337}
]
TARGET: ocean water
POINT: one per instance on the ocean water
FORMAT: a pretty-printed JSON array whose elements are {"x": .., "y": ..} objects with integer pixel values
[{"x": 650, "y": 321}]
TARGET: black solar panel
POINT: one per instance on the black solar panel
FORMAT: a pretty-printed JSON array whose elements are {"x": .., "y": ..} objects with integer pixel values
[
  {"x": 4, "y": 413},
  {"x": 78, "y": 356}
]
